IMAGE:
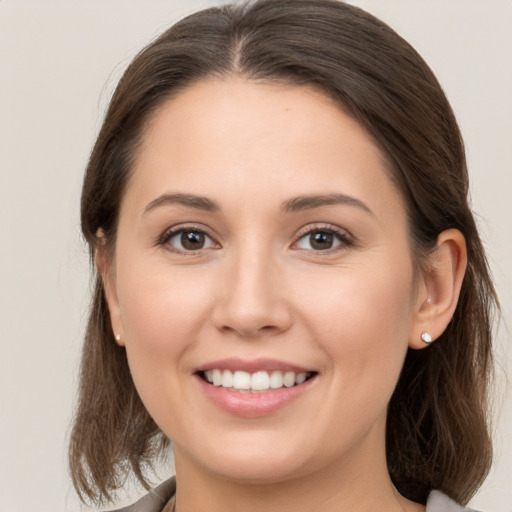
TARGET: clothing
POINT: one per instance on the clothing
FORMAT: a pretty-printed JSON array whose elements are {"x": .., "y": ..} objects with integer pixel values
[{"x": 156, "y": 500}]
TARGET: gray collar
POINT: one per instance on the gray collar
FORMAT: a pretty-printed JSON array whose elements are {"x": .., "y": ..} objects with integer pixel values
[{"x": 157, "y": 498}]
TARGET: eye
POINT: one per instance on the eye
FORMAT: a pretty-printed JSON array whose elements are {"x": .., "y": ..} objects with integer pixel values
[
  {"x": 188, "y": 239},
  {"x": 322, "y": 239}
]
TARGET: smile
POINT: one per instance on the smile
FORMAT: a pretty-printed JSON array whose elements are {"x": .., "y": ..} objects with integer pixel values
[
  {"x": 259, "y": 381},
  {"x": 253, "y": 388}
]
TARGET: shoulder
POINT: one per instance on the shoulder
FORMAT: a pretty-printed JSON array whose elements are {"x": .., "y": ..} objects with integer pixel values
[
  {"x": 439, "y": 502},
  {"x": 155, "y": 500}
]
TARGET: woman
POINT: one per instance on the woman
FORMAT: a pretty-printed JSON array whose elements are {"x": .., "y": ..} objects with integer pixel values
[{"x": 291, "y": 287}]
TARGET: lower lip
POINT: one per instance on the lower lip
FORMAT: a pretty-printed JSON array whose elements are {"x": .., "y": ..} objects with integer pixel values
[{"x": 253, "y": 404}]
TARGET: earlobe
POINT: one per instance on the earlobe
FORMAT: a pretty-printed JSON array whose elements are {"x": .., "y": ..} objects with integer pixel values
[
  {"x": 440, "y": 289},
  {"x": 107, "y": 275}
]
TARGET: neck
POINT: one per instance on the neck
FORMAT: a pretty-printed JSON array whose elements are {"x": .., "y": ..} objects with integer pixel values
[{"x": 359, "y": 483}]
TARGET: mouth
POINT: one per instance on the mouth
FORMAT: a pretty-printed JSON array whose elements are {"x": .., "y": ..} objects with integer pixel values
[
  {"x": 260, "y": 381},
  {"x": 254, "y": 388}
]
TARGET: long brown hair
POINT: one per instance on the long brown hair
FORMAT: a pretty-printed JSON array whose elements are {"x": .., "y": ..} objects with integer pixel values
[{"x": 437, "y": 434}]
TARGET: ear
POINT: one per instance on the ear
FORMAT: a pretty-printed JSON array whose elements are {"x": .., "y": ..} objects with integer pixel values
[
  {"x": 439, "y": 288},
  {"x": 106, "y": 271}
]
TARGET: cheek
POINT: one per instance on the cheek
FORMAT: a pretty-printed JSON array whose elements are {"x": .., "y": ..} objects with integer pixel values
[
  {"x": 162, "y": 312},
  {"x": 364, "y": 332},
  {"x": 363, "y": 324}
]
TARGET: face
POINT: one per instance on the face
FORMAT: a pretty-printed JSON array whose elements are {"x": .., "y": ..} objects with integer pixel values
[{"x": 262, "y": 281}]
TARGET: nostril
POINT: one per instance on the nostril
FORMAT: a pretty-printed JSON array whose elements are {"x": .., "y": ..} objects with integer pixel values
[{"x": 248, "y": 331}]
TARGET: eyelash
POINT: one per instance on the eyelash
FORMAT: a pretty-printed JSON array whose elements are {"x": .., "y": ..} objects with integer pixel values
[
  {"x": 345, "y": 240},
  {"x": 174, "y": 231}
]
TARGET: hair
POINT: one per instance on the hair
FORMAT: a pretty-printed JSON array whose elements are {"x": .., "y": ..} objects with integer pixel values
[{"x": 437, "y": 433}]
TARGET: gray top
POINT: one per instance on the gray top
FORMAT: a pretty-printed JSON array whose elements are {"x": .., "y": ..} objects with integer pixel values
[{"x": 157, "y": 498}]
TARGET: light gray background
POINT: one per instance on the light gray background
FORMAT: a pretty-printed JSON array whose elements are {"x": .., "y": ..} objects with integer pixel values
[{"x": 58, "y": 64}]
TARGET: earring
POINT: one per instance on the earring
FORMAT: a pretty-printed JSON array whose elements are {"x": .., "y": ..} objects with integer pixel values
[
  {"x": 118, "y": 337},
  {"x": 425, "y": 336}
]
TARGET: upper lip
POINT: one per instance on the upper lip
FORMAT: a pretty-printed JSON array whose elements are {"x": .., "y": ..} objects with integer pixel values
[{"x": 252, "y": 366}]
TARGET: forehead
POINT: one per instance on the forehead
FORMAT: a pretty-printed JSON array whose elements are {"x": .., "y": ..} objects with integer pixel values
[
  {"x": 216, "y": 109},
  {"x": 226, "y": 136}
]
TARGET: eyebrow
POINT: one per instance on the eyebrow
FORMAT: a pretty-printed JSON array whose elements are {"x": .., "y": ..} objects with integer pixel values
[
  {"x": 190, "y": 200},
  {"x": 295, "y": 204},
  {"x": 316, "y": 201}
]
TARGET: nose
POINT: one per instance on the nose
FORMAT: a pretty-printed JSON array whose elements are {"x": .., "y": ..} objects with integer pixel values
[{"x": 252, "y": 301}]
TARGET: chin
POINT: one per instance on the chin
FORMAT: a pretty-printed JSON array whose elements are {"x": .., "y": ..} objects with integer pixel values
[
  {"x": 250, "y": 459},
  {"x": 259, "y": 470}
]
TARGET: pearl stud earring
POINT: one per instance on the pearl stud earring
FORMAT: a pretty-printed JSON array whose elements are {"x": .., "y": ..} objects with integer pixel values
[
  {"x": 425, "y": 336},
  {"x": 118, "y": 337}
]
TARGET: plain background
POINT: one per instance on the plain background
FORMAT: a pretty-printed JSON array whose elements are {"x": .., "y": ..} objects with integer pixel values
[{"x": 59, "y": 62}]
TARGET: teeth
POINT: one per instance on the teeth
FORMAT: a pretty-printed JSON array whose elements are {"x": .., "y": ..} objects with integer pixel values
[
  {"x": 217, "y": 377},
  {"x": 301, "y": 377},
  {"x": 289, "y": 379},
  {"x": 276, "y": 380},
  {"x": 258, "y": 381},
  {"x": 227, "y": 380},
  {"x": 241, "y": 380}
]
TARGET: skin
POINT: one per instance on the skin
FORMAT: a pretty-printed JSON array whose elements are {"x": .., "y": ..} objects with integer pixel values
[{"x": 258, "y": 288}]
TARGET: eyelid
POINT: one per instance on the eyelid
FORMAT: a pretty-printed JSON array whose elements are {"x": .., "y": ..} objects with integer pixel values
[
  {"x": 172, "y": 231},
  {"x": 345, "y": 236}
]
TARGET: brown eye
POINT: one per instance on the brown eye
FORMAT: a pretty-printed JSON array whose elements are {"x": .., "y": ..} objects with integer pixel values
[
  {"x": 321, "y": 240},
  {"x": 188, "y": 240},
  {"x": 192, "y": 240}
]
